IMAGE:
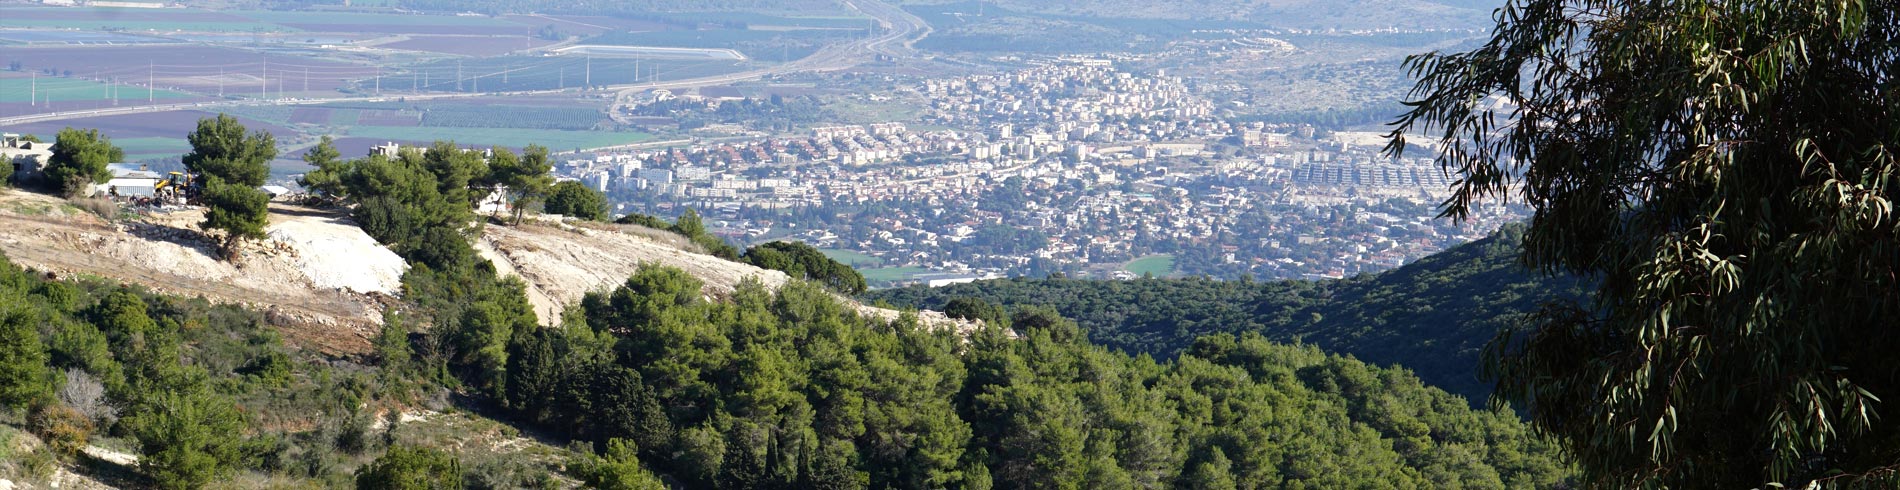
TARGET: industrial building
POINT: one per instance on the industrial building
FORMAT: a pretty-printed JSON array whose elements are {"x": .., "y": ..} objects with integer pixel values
[{"x": 130, "y": 180}]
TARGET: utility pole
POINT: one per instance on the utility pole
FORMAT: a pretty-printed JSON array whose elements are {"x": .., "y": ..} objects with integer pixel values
[
  {"x": 636, "y": 70},
  {"x": 589, "y": 79},
  {"x": 33, "y": 90},
  {"x": 306, "y": 79},
  {"x": 265, "y": 94},
  {"x": 220, "y": 82},
  {"x": 563, "y": 78},
  {"x": 458, "y": 75},
  {"x": 149, "y": 85},
  {"x": 379, "y": 79}
]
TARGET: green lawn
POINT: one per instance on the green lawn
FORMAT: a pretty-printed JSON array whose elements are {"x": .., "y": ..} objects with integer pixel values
[
  {"x": 852, "y": 258},
  {"x": 554, "y": 139},
  {"x": 1159, "y": 265},
  {"x": 70, "y": 89},
  {"x": 890, "y": 274}
]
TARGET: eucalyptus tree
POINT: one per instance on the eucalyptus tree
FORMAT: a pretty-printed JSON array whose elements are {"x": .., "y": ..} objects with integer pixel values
[{"x": 1724, "y": 171}]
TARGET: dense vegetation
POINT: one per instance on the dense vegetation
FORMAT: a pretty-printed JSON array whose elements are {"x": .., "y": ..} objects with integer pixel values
[
  {"x": 793, "y": 390},
  {"x": 201, "y": 391},
  {"x": 789, "y": 388},
  {"x": 572, "y": 198},
  {"x": 79, "y": 160},
  {"x": 802, "y": 261},
  {"x": 1433, "y": 316}
]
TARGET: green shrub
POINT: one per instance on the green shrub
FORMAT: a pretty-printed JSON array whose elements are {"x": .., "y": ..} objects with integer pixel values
[{"x": 411, "y": 468}]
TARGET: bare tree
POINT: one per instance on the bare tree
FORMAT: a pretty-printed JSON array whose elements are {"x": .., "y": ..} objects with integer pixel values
[{"x": 88, "y": 396}]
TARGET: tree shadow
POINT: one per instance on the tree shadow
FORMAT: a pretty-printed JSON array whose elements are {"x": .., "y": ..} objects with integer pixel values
[
  {"x": 191, "y": 239},
  {"x": 109, "y": 473},
  {"x": 310, "y": 212}
]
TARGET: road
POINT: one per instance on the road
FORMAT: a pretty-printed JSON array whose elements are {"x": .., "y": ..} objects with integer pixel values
[{"x": 898, "y": 30}]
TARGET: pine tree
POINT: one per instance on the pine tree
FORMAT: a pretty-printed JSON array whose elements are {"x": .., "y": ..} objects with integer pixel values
[
  {"x": 233, "y": 165},
  {"x": 24, "y": 378},
  {"x": 79, "y": 160},
  {"x": 187, "y": 438}
]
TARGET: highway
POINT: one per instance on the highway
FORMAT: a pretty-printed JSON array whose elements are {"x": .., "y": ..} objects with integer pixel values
[{"x": 898, "y": 31}]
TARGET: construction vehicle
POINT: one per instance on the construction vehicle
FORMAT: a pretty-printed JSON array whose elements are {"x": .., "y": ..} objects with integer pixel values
[{"x": 178, "y": 188}]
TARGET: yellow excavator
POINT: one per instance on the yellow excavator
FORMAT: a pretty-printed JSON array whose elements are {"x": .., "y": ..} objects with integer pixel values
[{"x": 177, "y": 187}]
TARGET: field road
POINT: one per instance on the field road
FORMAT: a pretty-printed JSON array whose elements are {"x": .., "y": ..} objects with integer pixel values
[{"x": 898, "y": 30}]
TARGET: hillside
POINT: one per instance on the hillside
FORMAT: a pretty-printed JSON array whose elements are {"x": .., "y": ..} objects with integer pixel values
[
  {"x": 653, "y": 364},
  {"x": 322, "y": 281},
  {"x": 1433, "y": 316},
  {"x": 785, "y": 389},
  {"x": 561, "y": 262}
]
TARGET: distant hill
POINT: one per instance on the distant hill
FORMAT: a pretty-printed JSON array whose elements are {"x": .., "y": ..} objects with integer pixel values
[{"x": 1433, "y": 316}]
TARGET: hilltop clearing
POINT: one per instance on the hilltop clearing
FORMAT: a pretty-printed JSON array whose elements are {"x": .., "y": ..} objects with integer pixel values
[
  {"x": 562, "y": 263},
  {"x": 318, "y": 278}
]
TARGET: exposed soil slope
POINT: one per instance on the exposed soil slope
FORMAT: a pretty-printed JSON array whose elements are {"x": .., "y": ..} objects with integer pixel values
[
  {"x": 562, "y": 263},
  {"x": 293, "y": 276},
  {"x": 323, "y": 282}
]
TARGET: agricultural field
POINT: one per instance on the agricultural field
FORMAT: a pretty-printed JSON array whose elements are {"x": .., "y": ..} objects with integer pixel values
[
  {"x": 508, "y": 116},
  {"x": 200, "y": 69},
  {"x": 851, "y": 258},
  {"x": 468, "y": 45},
  {"x": 145, "y": 148},
  {"x": 763, "y": 45},
  {"x": 365, "y": 19},
  {"x": 652, "y": 52},
  {"x": 197, "y": 20},
  {"x": 73, "y": 37},
  {"x": 1157, "y": 265},
  {"x": 557, "y": 140},
  {"x": 888, "y": 275},
  {"x": 748, "y": 20},
  {"x": 173, "y": 124},
  {"x": 589, "y": 25},
  {"x": 512, "y": 73},
  {"x": 382, "y": 117},
  {"x": 21, "y": 88},
  {"x": 86, "y": 56}
]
